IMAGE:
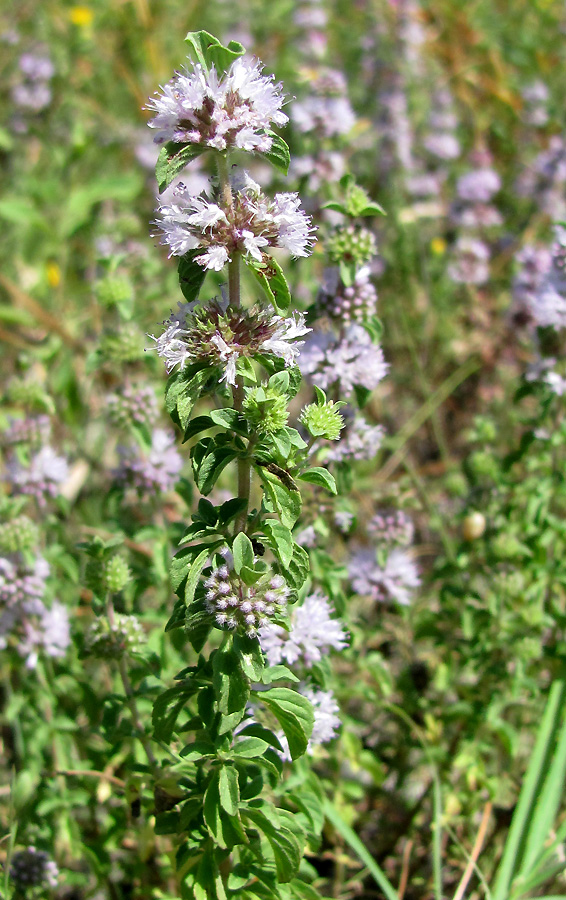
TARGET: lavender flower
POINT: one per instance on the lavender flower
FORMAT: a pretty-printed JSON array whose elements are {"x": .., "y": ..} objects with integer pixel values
[
  {"x": 133, "y": 404},
  {"x": 470, "y": 262},
  {"x": 443, "y": 145},
  {"x": 535, "y": 110},
  {"x": 348, "y": 304},
  {"x": 548, "y": 306},
  {"x": 34, "y": 97},
  {"x": 478, "y": 186},
  {"x": 36, "y": 66},
  {"x": 151, "y": 471},
  {"x": 343, "y": 520},
  {"x": 476, "y": 215},
  {"x": 32, "y": 868},
  {"x": 391, "y": 583},
  {"x": 307, "y": 537},
  {"x": 390, "y": 527},
  {"x": 49, "y": 633},
  {"x": 349, "y": 361},
  {"x": 534, "y": 264},
  {"x": 236, "y": 109},
  {"x": 360, "y": 441},
  {"x": 22, "y": 583},
  {"x": 41, "y": 479},
  {"x": 327, "y": 167},
  {"x": 544, "y": 181},
  {"x": 327, "y": 110},
  {"x": 312, "y": 634},
  {"x": 237, "y": 606},
  {"x": 32, "y": 430},
  {"x": 254, "y": 223},
  {"x": 222, "y": 334}
]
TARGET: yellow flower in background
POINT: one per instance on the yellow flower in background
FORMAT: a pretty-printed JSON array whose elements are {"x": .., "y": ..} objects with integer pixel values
[
  {"x": 53, "y": 274},
  {"x": 81, "y": 16},
  {"x": 438, "y": 246}
]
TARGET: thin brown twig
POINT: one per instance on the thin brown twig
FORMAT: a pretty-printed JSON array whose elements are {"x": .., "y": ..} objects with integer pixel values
[
  {"x": 8, "y": 337},
  {"x": 476, "y": 850},
  {"x": 404, "y": 879},
  {"x": 51, "y": 322},
  {"x": 104, "y": 776}
]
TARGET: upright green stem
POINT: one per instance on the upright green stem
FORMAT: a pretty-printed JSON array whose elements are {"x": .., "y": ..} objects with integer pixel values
[
  {"x": 130, "y": 696},
  {"x": 234, "y": 296}
]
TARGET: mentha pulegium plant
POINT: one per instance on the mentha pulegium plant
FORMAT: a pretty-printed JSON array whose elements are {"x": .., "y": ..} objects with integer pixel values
[{"x": 231, "y": 720}]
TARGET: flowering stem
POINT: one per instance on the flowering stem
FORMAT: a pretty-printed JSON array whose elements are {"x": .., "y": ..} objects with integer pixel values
[
  {"x": 234, "y": 297},
  {"x": 130, "y": 696}
]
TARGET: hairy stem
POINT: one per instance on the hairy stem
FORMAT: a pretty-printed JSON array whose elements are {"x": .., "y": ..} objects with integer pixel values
[{"x": 234, "y": 297}]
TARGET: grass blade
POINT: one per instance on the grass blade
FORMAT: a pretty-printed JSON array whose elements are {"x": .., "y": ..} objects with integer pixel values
[
  {"x": 547, "y": 806},
  {"x": 360, "y": 850},
  {"x": 530, "y": 793}
]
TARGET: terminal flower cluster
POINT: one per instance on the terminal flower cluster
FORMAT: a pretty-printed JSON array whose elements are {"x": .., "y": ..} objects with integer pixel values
[{"x": 235, "y": 109}]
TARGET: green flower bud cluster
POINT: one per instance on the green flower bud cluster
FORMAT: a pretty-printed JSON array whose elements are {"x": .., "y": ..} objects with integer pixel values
[
  {"x": 507, "y": 546},
  {"x": 108, "y": 576},
  {"x": 122, "y": 346},
  {"x": 351, "y": 245},
  {"x": 115, "y": 574},
  {"x": 484, "y": 463},
  {"x": 19, "y": 534},
  {"x": 265, "y": 409},
  {"x": 323, "y": 420},
  {"x": 106, "y": 642},
  {"x": 115, "y": 290},
  {"x": 29, "y": 393}
]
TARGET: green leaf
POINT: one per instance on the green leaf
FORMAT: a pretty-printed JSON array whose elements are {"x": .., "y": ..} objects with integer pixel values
[
  {"x": 280, "y": 540},
  {"x": 299, "y": 567},
  {"x": 183, "y": 390},
  {"x": 177, "y": 618},
  {"x": 208, "y": 470},
  {"x": 198, "y": 750},
  {"x": 255, "y": 730},
  {"x": 193, "y": 577},
  {"x": 319, "y": 476},
  {"x": 207, "y": 51},
  {"x": 211, "y": 809},
  {"x": 167, "y": 708},
  {"x": 231, "y": 687},
  {"x": 250, "y": 747},
  {"x": 172, "y": 159},
  {"x": 274, "y": 283},
  {"x": 285, "y": 501},
  {"x": 243, "y": 552},
  {"x": 198, "y": 623},
  {"x": 278, "y": 154},
  {"x": 295, "y": 715},
  {"x": 229, "y": 790},
  {"x": 191, "y": 276},
  {"x": 231, "y": 509},
  {"x": 196, "y": 426},
  {"x": 285, "y": 845},
  {"x": 251, "y": 657},
  {"x": 278, "y": 673},
  {"x": 229, "y": 419}
]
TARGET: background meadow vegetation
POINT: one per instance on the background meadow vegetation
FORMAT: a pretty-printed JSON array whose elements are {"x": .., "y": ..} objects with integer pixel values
[{"x": 442, "y": 687}]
